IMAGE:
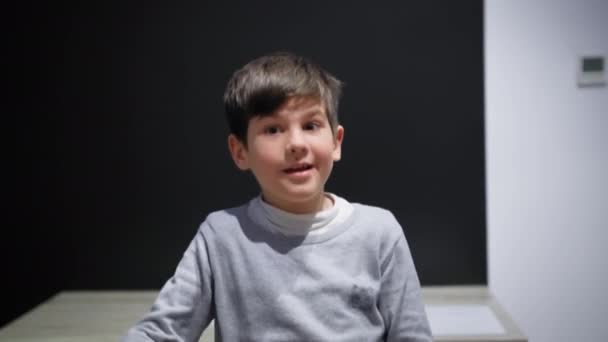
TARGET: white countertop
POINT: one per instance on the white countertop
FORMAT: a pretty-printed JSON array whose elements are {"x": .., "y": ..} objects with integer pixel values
[{"x": 456, "y": 314}]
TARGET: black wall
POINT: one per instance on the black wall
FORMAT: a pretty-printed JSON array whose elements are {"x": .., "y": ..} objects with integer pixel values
[{"x": 118, "y": 149}]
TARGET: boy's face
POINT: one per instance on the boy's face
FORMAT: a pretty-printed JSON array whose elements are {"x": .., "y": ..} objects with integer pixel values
[{"x": 291, "y": 154}]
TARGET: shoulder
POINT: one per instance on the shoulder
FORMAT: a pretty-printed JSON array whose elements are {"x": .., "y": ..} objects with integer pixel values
[
  {"x": 378, "y": 221},
  {"x": 386, "y": 232},
  {"x": 376, "y": 216},
  {"x": 225, "y": 221},
  {"x": 374, "y": 211}
]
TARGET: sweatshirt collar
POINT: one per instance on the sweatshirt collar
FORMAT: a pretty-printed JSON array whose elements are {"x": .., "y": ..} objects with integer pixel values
[{"x": 298, "y": 224}]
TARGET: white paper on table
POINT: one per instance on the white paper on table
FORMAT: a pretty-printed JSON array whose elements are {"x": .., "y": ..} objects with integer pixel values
[{"x": 463, "y": 320}]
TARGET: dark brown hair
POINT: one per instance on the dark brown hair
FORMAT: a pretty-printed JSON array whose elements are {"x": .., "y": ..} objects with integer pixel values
[{"x": 262, "y": 85}]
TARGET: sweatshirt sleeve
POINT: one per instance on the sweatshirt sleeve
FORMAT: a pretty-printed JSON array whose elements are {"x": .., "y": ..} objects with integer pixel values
[
  {"x": 400, "y": 299},
  {"x": 184, "y": 306}
]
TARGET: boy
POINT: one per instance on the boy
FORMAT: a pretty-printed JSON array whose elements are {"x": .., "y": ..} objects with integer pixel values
[{"x": 295, "y": 263}]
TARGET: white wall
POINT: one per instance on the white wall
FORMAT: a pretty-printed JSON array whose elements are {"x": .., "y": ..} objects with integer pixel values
[{"x": 547, "y": 167}]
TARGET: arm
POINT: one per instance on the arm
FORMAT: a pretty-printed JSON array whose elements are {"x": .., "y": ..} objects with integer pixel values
[
  {"x": 400, "y": 299},
  {"x": 184, "y": 306}
]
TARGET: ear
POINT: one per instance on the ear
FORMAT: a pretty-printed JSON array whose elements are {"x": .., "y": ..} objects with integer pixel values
[
  {"x": 238, "y": 151},
  {"x": 339, "y": 137}
]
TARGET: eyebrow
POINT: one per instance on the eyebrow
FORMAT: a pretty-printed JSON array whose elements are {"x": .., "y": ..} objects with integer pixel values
[
  {"x": 308, "y": 114},
  {"x": 313, "y": 112}
]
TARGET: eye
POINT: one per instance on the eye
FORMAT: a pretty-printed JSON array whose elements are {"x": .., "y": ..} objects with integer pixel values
[
  {"x": 272, "y": 130},
  {"x": 313, "y": 125}
]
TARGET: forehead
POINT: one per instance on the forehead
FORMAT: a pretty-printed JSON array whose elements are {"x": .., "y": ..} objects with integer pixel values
[
  {"x": 300, "y": 104},
  {"x": 296, "y": 105}
]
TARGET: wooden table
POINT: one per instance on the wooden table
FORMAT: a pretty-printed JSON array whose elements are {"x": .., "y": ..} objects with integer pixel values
[{"x": 103, "y": 316}]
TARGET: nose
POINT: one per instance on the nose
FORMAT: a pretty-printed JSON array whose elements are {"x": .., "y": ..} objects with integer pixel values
[{"x": 296, "y": 144}]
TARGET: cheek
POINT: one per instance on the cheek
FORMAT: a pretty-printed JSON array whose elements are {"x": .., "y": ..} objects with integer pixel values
[
  {"x": 266, "y": 157},
  {"x": 324, "y": 157},
  {"x": 324, "y": 148}
]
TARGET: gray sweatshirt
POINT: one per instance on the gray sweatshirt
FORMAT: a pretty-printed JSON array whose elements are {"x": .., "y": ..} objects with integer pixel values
[{"x": 354, "y": 282}]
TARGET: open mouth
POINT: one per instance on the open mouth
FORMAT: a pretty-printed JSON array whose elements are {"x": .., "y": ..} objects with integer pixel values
[{"x": 299, "y": 168}]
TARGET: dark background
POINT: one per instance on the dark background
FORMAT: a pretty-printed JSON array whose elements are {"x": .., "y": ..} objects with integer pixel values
[{"x": 118, "y": 145}]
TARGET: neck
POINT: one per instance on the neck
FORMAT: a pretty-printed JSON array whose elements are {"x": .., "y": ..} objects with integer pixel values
[{"x": 322, "y": 203}]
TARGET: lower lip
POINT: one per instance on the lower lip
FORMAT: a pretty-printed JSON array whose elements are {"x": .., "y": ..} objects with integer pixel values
[{"x": 299, "y": 174}]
